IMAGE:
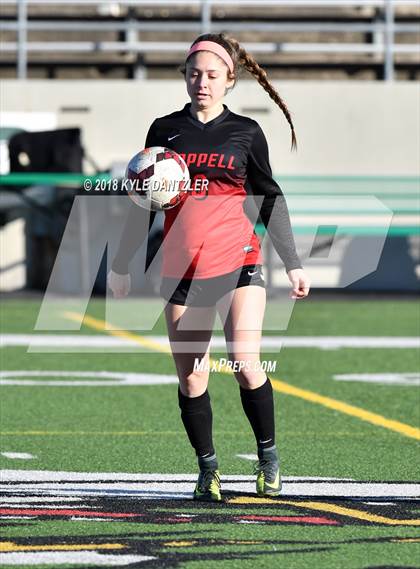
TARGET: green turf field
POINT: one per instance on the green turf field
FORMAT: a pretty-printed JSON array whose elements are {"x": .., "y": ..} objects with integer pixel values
[{"x": 349, "y": 449}]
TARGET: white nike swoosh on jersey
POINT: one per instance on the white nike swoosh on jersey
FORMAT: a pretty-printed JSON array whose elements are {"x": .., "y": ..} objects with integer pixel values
[
  {"x": 171, "y": 137},
  {"x": 251, "y": 274}
]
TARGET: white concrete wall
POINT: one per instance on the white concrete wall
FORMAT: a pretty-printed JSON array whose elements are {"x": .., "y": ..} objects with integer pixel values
[
  {"x": 343, "y": 128},
  {"x": 12, "y": 255}
]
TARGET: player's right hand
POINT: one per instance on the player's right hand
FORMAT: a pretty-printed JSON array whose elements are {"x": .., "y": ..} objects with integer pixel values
[{"x": 119, "y": 284}]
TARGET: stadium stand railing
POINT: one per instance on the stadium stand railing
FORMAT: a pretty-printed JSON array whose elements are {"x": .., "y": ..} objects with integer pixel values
[
  {"x": 139, "y": 35},
  {"x": 332, "y": 217}
]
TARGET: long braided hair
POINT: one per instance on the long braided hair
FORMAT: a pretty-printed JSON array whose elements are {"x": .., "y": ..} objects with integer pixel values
[{"x": 243, "y": 60}]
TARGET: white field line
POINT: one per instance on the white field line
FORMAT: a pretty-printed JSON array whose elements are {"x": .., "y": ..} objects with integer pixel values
[
  {"x": 402, "y": 378},
  {"x": 87, "y": 341},
  {"x": 9, "y": 475},
  {"x": 18, "y": 455},
  {"x": 17, "y": 518},
  {"x": 33, "y": 500},
  {"x": 77, "y": 519},
  {"x": 120, "y": 379},
  {"x": 180, "y": 486},
  {"x": 83, "y": 378},
  {"x": 56, "y": 558}
]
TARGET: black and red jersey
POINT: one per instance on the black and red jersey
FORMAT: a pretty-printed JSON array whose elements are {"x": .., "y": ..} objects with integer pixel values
[{"x": 210, "y": 233}]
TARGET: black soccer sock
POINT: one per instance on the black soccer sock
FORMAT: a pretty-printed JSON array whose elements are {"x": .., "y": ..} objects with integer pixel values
[
  {"x": 197, "y": 417},
  {"x": 258, "y": 405}
]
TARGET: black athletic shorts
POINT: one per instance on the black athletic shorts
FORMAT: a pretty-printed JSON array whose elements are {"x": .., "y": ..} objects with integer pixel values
[{"x": 206, "y": 292}]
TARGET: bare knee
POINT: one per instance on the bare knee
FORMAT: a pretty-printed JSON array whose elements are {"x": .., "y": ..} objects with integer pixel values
[
  {"x": 251, "y": 381},
  {"x": 194, "y": 383},
  {"x": 248, "y": 372}
]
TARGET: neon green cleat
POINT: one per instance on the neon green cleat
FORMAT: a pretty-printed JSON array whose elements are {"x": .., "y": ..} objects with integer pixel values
[
  {"x": 208, "y": 486},
  {"x": 267, "y": 470}
]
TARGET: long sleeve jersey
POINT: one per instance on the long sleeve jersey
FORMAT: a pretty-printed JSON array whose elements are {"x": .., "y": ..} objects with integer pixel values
[{"x": 210, "y": 233}]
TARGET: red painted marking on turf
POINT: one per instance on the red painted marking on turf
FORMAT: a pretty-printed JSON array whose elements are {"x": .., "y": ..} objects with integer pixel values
[
  {"x": 292, "y": 519},
  {"x": 86, "y": 513}
]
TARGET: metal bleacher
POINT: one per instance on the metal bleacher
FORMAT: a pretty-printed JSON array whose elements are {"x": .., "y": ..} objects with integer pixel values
[{"x": 369, "y": 39}]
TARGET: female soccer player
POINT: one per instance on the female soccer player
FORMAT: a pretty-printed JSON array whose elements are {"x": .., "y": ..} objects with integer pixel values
[{"x": 211, "y": 255}]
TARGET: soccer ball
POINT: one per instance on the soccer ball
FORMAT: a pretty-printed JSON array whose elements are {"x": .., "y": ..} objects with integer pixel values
[{"x": 156, "y": 178}]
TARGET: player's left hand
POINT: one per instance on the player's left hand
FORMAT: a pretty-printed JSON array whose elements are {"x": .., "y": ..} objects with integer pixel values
[{"x": 300, "y": 282}]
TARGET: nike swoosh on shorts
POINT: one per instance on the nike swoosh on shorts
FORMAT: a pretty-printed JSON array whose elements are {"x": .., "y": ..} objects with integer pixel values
[{"x": 171, "y": 137}]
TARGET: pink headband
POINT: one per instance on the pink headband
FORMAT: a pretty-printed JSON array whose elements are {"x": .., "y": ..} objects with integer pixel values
[{"x": 215, "y": 48}]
